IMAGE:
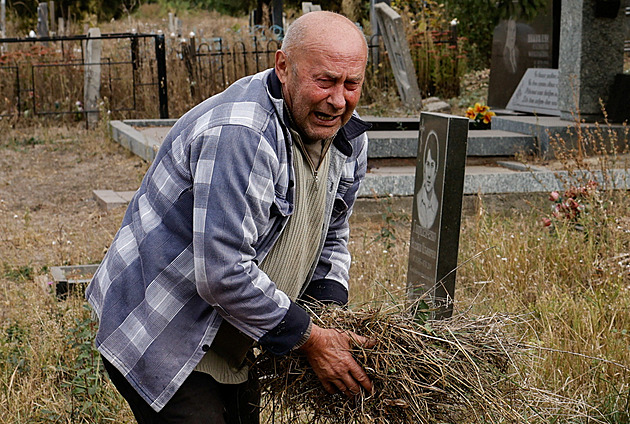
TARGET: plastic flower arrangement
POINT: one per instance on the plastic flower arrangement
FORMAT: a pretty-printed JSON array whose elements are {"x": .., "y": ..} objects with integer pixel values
[
  {"x": 480, "y": 114},
  {"x": 572, "y": 205}
]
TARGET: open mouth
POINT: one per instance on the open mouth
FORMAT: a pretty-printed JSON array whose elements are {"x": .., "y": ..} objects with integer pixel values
[{"x": 325, "y": 116}]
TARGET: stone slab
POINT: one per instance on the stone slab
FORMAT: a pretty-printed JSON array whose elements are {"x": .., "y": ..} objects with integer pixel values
[
  {"x": 548, "y": 129},
  {"x": 391, "y": 26},
  {"x": 404, "y": 144},
  {"x": 126, "y": 195},
  {"x": 67, "y": 278},
  {"x": 109, "y": 199},
  {"x": 389, "y": 143},
  {"x": 399, "y": 180},
  {"x": 392, "y": 144},
  {"x": 498, "y": 142},
  {"x": 487, "y": 180},
  {"x": 134, "y": 140},
  {"x": 537, "y": 93}
]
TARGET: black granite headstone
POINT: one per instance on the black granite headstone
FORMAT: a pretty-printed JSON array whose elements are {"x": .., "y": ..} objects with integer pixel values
[
  {"x": 439, "y": 188},
  {"x": 518, "y": 46},
  {"x": 617, "y": 106}
]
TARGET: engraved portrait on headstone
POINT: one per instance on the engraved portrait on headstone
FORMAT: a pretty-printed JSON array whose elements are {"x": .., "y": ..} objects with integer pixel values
[
  {"x": 426, "y": 198},
  {"x": 519, "y": 45},
  {"x": 436, "y": 214},
  {"x": 510, "y": 50}
]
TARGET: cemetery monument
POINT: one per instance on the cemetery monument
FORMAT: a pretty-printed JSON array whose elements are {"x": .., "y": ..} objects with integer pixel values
[
  {"x": 393, "y": 32},
  {"x": 436, "y": 215}
]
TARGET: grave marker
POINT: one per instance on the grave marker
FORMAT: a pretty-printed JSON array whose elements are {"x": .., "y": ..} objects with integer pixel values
[
  {"x": 3, "y": 19},
  {"x": 171, "y": 23},
  {"x": 373, "y": 21},
  {"x": 437, "y": 206},
  {"x": 307, "y": 6},
  {"x": 518, "y": 46},
  {"x": 51, "y": 16},
  {"x": 179, "y": 27},
  {"x": 591, "y": 54},
  {"x": 391, "y": 26},
  {"x": 42, "y": 20},
  {"x": 276, "y": 13},
  {"x": 537, "y": 93},
  {"x": 92, "y": 75}
]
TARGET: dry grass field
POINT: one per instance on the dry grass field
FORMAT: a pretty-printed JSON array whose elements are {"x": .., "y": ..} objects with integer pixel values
[
  {"x": 570, "y": 287},
  {"x": 567, "y": 285}
]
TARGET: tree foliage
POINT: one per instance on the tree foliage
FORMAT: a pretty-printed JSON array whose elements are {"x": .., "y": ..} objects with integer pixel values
[{"x": 25, "y": 11}]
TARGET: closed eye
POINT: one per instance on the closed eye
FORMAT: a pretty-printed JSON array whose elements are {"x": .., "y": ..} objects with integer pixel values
[{"x": 325, "y": 82}]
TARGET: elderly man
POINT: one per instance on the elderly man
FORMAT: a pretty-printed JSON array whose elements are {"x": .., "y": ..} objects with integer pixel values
[{"x": 243, "y": 213}]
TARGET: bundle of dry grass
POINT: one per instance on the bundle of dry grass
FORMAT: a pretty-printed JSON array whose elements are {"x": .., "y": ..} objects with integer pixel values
[{"x": 440, "y": 371}]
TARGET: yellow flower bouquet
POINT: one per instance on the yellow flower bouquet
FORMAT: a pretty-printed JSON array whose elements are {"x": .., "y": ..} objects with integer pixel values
[{"x": 480, "y": 116}]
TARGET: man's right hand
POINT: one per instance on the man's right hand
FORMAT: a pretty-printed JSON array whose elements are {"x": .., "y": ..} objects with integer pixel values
[{"x": 328, "y": 352}]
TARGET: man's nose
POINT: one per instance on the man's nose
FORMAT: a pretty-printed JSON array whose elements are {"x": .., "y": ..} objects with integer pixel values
[{"x": 336, "y": 96}]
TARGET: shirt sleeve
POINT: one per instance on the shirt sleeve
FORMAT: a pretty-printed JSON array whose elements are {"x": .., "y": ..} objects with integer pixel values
[
  {"x": 236, "y": 172},
  {"x": 330, "y": 280}
]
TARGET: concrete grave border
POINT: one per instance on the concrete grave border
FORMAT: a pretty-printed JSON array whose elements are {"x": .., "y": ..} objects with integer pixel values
[{"x": 506, "y": 177}]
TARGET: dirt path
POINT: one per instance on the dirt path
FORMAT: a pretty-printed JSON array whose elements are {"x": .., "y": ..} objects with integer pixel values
[{"x": 47, "y": 212}]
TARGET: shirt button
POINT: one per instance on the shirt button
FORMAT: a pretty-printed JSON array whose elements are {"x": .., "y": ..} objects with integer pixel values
[{"x": 205, "y": 348}]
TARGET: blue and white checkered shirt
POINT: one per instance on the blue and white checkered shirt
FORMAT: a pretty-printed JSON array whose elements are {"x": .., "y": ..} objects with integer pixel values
[{"x": 209, "y": 209}]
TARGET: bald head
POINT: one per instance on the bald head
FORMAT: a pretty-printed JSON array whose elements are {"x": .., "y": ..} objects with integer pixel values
[
  {"x": 321, "y": 67},
  {"x": 321, "y": 28}
]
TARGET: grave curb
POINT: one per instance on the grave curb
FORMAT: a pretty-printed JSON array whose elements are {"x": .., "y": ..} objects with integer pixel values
[{"x": 509, "y": 178}]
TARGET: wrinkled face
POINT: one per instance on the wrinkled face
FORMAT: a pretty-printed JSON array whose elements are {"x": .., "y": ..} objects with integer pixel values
[
  {"x": 321, "y": 85},
  {"x": 429, "y": 172}
]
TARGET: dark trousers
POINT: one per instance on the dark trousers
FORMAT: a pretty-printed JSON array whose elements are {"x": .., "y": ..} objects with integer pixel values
[{"x": 201, "y": 399}]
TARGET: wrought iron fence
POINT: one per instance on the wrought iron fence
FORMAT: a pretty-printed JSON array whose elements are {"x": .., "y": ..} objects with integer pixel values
[
  {"x": 45, "y": 76},
  {"x": 213, "y": 64}
]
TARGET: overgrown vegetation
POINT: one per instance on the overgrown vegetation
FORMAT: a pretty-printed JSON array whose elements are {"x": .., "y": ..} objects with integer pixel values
[
  {"x": 569, "y": 281},
  {"x": 571, "y": 284},
  {"x": 221, "y": 53}
]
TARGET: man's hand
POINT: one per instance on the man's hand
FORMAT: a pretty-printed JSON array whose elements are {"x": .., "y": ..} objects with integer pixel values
[{"x": 328, "y": 352}]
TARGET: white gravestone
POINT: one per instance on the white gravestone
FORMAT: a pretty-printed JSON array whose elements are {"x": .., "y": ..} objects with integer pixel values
[
  {"x": 3, "y": 19},
  {"x": 536, "y": 93},
  {"x": 42, "y": 20},
  {"x": 92, "y": 78}
]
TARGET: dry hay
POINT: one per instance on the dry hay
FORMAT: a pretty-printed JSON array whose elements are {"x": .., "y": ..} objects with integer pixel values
[{"x": 455, "y": 371}]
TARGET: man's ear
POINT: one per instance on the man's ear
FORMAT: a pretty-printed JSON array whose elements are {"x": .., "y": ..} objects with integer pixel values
[{"x": 282, "y": 66}]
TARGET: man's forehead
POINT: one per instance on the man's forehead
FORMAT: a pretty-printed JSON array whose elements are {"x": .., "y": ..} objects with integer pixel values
[
  {"x": 344, "y": 56},
  {"x": 347, "y": 72}
]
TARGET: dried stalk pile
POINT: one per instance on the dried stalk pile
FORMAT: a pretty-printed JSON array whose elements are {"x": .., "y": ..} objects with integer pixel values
[{"x": 452, "y": 371}]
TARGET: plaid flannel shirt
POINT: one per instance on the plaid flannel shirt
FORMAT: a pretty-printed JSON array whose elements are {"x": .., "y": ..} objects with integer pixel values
[{"x": 209, "y": 209}]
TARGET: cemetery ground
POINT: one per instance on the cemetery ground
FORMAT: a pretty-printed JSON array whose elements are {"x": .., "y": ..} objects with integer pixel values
[{"x": 566, "y": 285}]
